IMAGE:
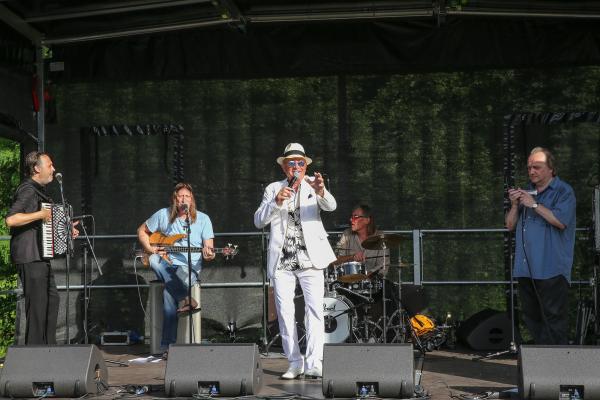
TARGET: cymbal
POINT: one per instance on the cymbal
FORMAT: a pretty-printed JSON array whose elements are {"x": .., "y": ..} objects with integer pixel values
[
  {"x": 353, "y": 278},
  {"x": 380, "y": 241},
  {"x": 400, "y": 265}
]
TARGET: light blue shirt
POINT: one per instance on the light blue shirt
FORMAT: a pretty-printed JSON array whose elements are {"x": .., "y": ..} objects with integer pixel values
[
  {"x": 548, "y": 250},
  {"x": 201, "y": 230}
]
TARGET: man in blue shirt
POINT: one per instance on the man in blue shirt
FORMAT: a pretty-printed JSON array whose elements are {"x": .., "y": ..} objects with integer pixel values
[
  {"x": 172, "y": 267},
  {"x": 544, "y": 219}
]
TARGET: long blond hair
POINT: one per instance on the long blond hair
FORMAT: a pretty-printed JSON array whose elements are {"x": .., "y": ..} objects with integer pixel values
[{"x": 173, "y": 208}]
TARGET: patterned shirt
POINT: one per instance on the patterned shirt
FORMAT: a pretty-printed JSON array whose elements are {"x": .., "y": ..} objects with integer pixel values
[{"x": 293, "y": 253}]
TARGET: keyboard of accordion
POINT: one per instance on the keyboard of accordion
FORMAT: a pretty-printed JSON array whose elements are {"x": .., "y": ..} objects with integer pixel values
[{"x": 54, "y": 232}]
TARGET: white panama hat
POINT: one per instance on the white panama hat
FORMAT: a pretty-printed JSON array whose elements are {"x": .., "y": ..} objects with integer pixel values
[{"x": 293, "y": 150}]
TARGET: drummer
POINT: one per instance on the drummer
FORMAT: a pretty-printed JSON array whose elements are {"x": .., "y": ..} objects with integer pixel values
[{"x": 362, "y": 225}]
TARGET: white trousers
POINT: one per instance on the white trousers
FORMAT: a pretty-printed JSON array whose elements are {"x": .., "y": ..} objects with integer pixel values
[{"x": 312, "y": 283}]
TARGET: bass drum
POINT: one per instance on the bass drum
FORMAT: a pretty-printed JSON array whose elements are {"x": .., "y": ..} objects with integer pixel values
[{"x": 338, "y": 312}]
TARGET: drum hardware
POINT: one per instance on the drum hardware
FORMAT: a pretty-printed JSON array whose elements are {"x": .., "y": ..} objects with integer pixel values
[
  {"x": 348, "y": 291},
  {"x": 382, "y": 241},
  {"x": 367, "y": 331}
]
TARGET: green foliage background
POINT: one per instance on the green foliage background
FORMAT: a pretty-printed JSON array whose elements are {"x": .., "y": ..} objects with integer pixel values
[
  {"x": 9, "y": 179},
  {"x": 424, "y": 149}
]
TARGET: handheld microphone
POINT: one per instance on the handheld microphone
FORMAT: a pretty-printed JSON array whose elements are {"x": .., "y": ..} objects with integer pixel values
[
  {"x": 185, "y": 208},
  {"x": 294, "y": 179},
  {"x": 58, "y": 177}
]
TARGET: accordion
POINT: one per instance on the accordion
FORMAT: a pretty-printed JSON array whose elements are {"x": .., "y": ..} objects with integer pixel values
[{"x": 55, "y": 232}]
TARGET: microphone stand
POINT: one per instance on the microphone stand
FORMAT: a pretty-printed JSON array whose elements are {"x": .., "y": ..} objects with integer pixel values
[
  {"x": 86, "y": 289},
  {"x": 188, "y": 228},
  {"x": 265, "y": 288},
  {"x": 68, "y": 254},
  {"x": 512, "y": 348}
]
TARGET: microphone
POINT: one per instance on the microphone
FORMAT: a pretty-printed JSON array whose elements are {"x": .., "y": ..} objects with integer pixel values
[
  {"x": 294, "y": 179},
  {"x": 58, "y": 177},
  {"x": 185, "y": 208}
]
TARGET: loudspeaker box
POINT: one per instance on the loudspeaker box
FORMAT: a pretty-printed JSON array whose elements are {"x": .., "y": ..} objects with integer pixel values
[
  {"x": 559, "y": 372},
  {"x": 53, "y": 371},
  {"x": 361, "y": 370},
  {"x": 213, "y": 369},
  {"x": 486, "y": 330}
]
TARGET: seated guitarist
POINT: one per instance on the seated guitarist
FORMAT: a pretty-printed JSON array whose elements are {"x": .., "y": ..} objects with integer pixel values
[{"x": 172, "y": 268}]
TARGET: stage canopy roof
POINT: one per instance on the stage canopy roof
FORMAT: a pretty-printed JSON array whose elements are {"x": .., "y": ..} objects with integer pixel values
[{"x": 179, "y": 39}]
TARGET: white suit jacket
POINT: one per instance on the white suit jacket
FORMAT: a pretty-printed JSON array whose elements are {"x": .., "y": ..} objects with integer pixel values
[{"x": 318, "y": 247}]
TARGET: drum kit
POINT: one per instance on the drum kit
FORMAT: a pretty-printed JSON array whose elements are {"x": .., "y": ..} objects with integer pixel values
[{"x": 363, "y": 307}]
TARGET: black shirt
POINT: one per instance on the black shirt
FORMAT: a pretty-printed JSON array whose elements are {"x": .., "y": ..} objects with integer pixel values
[{"x": 24, "y": 241}]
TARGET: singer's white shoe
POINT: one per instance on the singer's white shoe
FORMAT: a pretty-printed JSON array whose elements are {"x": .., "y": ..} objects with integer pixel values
[
  {"x": 293, "y": 373},
  {"x": 314, "y": 372}
]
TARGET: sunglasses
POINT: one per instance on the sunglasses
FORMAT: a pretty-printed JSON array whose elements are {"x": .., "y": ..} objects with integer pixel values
[
  {"x": 355, "y": 217},
  {"x": 293, "y": 163}
]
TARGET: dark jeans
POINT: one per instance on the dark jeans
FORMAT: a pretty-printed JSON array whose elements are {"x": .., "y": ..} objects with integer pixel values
[
  {"x": 554, "y": 296},
  {"x": 41, "y": 302}
]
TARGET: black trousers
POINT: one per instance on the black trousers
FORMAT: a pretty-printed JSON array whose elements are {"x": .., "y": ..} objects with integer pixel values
[
  {"x": 554, "y": 297},
  {"x": 41, "y": 302}
]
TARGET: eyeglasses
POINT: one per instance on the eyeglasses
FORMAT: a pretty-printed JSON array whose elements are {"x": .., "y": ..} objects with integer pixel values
[
  {"x": 183, "y": 196},
  {"x": 355, "y": 217},
  {"x": 293, "y": 163}
]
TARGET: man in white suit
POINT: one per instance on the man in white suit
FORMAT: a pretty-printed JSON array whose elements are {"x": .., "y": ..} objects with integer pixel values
[{"x": 298, "y": 249}]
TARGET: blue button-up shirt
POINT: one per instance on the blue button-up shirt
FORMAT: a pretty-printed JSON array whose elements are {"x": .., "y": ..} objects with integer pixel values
[{"x": 548, "y": 250}]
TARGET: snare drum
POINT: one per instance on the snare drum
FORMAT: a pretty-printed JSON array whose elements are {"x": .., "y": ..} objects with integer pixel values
[{"x": 351, "y": 268}]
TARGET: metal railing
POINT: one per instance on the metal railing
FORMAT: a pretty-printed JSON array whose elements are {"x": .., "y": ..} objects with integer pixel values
[{"x": 418, "y": 237}]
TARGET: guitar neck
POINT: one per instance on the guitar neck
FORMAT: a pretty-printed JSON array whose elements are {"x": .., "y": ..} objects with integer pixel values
[{"x": 183, "y": 249}]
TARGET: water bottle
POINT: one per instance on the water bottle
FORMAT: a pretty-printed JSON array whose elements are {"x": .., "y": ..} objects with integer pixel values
[
  {"x": 213, "y": 390},
  {"x": 363, "y": 391}
]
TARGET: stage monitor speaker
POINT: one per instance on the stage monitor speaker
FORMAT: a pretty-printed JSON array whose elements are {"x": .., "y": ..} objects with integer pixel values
[
  {"x": 486, "y": 330},
  {"x": 360, "y": 370},
  {"x": 213, "y": 370},
  {"x": 559, "y": 372},
  {"x": 53, "y": 371}
]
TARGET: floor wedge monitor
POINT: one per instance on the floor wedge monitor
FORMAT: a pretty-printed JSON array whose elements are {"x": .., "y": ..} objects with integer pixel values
[
  {"x": 213, "y": 370},
  {"x": 559, "y": 372},
  {"x": 375, "y": 370},
  {"x": 486, "y": 330},
  {"x": 53, "y": 371}
]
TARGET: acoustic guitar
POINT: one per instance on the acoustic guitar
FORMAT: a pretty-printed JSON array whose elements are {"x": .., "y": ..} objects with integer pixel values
[{"x": 167, "y": 244}]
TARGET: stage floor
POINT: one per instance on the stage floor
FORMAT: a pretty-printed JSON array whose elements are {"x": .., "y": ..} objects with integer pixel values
[{"x": 445, "y": 373}]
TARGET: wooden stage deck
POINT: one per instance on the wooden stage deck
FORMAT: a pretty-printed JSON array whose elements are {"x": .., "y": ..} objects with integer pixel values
[{"x": 446, "y": 373}]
